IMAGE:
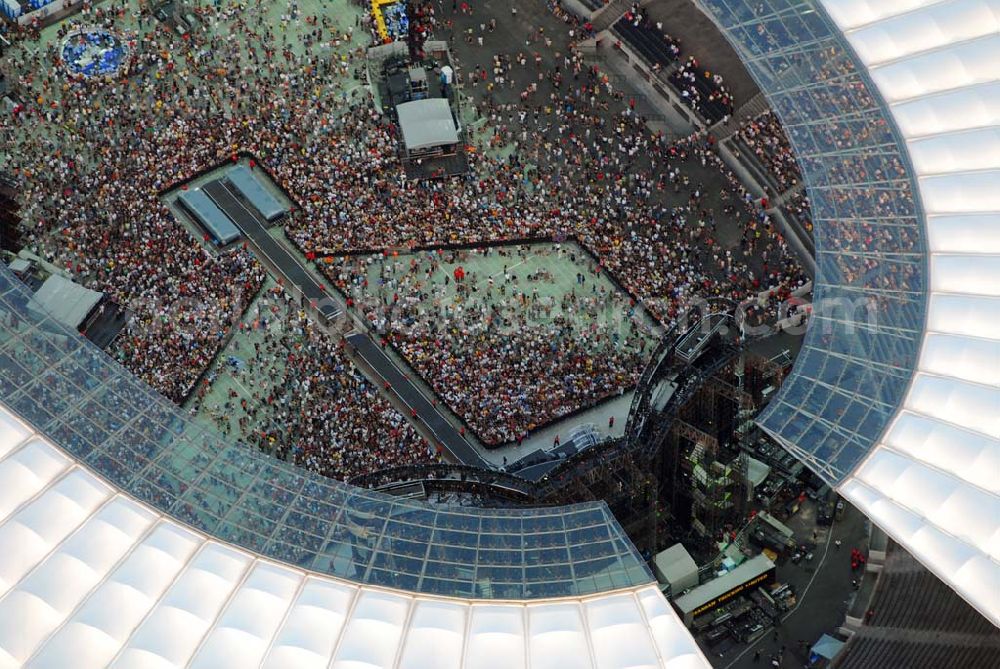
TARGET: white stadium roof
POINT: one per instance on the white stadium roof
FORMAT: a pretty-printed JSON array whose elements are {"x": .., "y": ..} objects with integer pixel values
[
  {"x": 933, "y": 483},
  {"x": 90, "y": 577}
]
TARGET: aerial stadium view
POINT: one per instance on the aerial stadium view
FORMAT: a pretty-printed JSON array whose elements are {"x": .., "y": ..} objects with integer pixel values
[{"x": 545, "y": 333}]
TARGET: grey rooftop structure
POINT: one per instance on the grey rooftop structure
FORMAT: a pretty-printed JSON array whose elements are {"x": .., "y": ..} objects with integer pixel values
[
  {"x": 426, "y": 124},
  {"x": 249, "y": 186},
  {"x": 66, "y": 301}
]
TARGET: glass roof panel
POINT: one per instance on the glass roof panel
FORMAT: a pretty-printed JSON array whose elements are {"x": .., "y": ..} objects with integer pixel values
[{"x": 101, "y": 415}]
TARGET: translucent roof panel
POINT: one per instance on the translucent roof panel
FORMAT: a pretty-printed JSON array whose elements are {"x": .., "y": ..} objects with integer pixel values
[
  {"x": 92, "y": 578},
  {"x": 893, "y": 109},
  {"x": 933, "y": 480},
  {"x": 870, "y": 290},
  {"x": 105, "y": 418}
]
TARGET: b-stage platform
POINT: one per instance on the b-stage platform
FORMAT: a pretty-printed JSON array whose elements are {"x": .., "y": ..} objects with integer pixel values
[{"x": 253, "y": 226}]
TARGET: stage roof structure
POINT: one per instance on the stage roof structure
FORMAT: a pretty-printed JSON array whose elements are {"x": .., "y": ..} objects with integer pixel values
[
  {"x": 427, "y": 123},
  {"x": 66, "y": 301}
]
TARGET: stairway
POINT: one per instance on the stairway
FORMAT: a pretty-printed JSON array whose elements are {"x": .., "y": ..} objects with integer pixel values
[
  {"x": 608, "y": 15},
  {"x": 753, "y": 107}
]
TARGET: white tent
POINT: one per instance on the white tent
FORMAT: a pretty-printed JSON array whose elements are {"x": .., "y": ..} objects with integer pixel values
[{"x": 426, "y": 123}]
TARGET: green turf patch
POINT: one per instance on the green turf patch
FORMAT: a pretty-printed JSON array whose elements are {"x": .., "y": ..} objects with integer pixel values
[{"x": 510, "y": 338}]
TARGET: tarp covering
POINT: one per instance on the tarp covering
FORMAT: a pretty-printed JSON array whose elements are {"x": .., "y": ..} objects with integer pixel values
[
  {"x": 757, "y": 471},
  {"x": 244, "y": 181},
  {"x": 67, "y": 302},
  {"x": 426, "y": 123},
  {"x": 827, "y": 647},
  {"x": 213, "y": 219}
]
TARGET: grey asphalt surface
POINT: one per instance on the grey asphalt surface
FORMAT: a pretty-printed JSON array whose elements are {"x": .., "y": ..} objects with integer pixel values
[{"x": 823, "y": 588}]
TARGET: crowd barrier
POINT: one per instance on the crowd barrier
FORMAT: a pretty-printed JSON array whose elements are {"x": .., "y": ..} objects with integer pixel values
[{"x": 39, "y": 9}]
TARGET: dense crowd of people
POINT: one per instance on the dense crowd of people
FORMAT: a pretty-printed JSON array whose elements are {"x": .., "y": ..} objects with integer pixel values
[
  {"x": 92, "y": 158},
  {"x": 564, "y": 153},
  {"x": 511, "y": 352},
  {"x": 303, "y": 400},
  {"x": 766, "y": 139}
]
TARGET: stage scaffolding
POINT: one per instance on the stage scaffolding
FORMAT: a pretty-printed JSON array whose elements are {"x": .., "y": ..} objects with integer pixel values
[
  {"x": 679, "y": 473},
  {"x": 10, "y": 219}
]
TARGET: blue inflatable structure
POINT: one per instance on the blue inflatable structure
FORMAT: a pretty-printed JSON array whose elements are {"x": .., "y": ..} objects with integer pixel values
[{"x": 94, "y": 52}]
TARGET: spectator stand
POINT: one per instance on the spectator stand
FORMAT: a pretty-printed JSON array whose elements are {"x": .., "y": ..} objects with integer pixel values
[
  {"x": 795, "y": 232},
  {"x": 913, "y": 619},
  {"x": 763, "y": 144},
  {"x": 760, "y": 174},
  {"x": 750, "y": 109},
  {"x": 795, "y": 205},
  {"x": 584, "y": 10},
  {"x": 778, "y": 308},
  {"x": 613, "y": 10},
  {"x": 701, "y": 91},
  {"x": 654, "y": 55},
  {"x": 593, "y": 5},
  {"x": 653, "y": 46}
]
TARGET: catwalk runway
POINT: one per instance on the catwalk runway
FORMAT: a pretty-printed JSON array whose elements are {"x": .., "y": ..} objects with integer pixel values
[
  {"x": 443, "y": 431},
  {"x": 254, "y": 228}
]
